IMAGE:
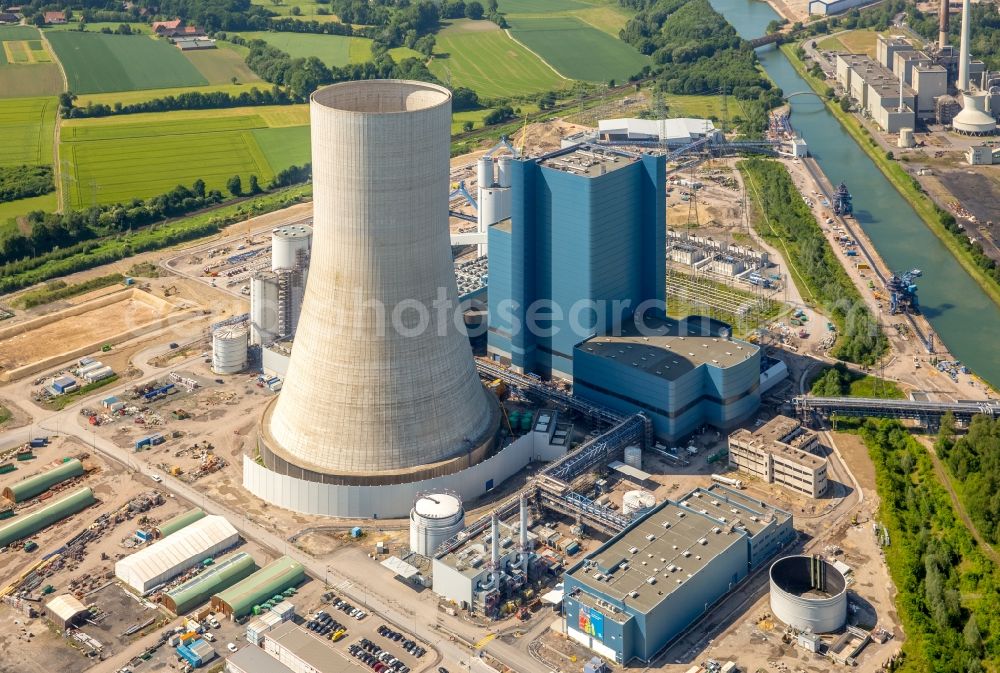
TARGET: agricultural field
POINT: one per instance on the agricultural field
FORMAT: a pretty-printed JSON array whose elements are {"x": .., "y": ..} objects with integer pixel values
[
  {"x": 143, "y": 28},
  {"x": 333, "y": 50},
  {"x": 220, "y": 66},
  {"x": 576, "y": 49},
  {"x": 114, "y": 159},
  {"x": 27, "y": 68},
  {"x": 608, "y": 17},
  {"x": 96, "y": 62},
  {"x": 402, "y": 53},
  {"x": 479, "y": 55},
  {"x": 129, "y": 97},
  {"x": 853, "y": 41},
  {"x": 27, "y": 126},
  {"x": 14, "y": 209},
  {"x": 307, "y": 9},
  {"x": 284, "y": 146}
]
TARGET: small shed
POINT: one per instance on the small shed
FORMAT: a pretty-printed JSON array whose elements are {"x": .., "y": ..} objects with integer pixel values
[{"x": 66, "y": 611}]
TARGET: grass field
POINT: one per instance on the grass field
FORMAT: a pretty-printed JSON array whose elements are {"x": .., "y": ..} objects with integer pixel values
[
  {"x": 96, "y": 62},
  {"x": 96, "y": 27},
  {"x": 11, "y": 209},
  {"x": 114, "y": 159},
  {"x": 338, "y": 50},
  {"x": 854, "y": 41},
  {"x": 26, "y": 124},
  {"x": 478, "y": 55},
  {"x": 400, "y": 53},
  {"x": 576, "y": 49},
  {"x": 128, "y": 97},
  {"x": 219, "y": 66},
  {"x": 26, "y": 66},
  {"x": 308, "y": 9},
  {"x": 284, "y": 146},
  {"x": 607, "y": 17}
]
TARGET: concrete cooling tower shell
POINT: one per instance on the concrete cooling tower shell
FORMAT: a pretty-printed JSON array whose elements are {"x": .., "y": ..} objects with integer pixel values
[
  {"x": 374, "y": 393},
  {"x": 808, "y": 593}
]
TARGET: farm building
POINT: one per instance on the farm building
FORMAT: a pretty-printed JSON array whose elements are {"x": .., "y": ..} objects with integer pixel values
[
  {"x": 182, "y": 520},
  {"x": 54, "y": 18},
  {"x": 65, "y": 611},
  {"x": 194, "y": 43},
  {"x": 40, "y": 519},
  {"x": 39, "y": 483},
  {"x": 200, "y": 588},
  {"x": 269, "y": 581},
  {"x": 159, "y": 562}
]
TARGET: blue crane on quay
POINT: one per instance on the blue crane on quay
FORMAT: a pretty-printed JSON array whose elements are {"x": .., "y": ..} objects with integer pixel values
[{"x": 902, "y": 293}]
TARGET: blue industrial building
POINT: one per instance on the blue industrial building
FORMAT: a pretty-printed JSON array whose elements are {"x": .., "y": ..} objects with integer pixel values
[
  {"x": 645, "y": 586},
  {"x": 683, "y": 374},
  {"x": 587, "y": 224}
]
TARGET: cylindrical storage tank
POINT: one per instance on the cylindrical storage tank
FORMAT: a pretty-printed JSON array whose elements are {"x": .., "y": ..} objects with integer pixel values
[
  {"x": 503, "y": 171},
  {"x": 290, "y": 245},
  {"x": 485, "y": 174},
  {"x": 637, "y": 502},
  {"x": 229, "y": 350},
  {"x": 808, "y": 593},
  {"x": 905, "y": 138},
  {"x": 489, "y": 206},
  {"x": 264, "y": 308},
  {"x": 633, "y": 456},
  {"x": 435, "y": 519}
]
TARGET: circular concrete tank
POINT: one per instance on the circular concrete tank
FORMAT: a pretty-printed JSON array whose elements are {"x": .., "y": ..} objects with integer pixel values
[
  {"x": 435, "y": 519},
  {"x": 290, "y": 246},
  {"x": 637, "y": 502},
  {"x": 808, "y": 593},
  {"x": 229, "y": 350}
]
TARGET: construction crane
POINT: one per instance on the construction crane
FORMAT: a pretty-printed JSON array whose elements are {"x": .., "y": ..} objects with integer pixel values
[{"x": 524, "y": 135}]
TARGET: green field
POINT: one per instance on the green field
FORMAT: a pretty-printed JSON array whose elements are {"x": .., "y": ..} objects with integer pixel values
[
  {"x": 853, "y": 41},
  {"x": 96, "y": 27},
  {"x": 129, "y": 97},
  {"x": 576, "y": 49},
  {"x": 219, "y": 66},
  {"x": 307, "y": 9},
  {"x": 26, "y": 67},
  {"x": 284, "y": 147},
  {"x": 10, "y": 209},
  {"x": 96, "y": 62},
  {"x": 540, "y": 6},
  {"x": 117, "y": 158},
  {"x": 27, "y": 125},
  {"x": 478, "y": 55},
  {"x": 333, "y": 50}
]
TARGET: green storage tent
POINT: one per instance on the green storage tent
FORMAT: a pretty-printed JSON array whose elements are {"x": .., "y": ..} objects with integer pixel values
[
  {"x": 183, "y": 519},
  {"x": 40, "y": 519},
  {"x": 224, "y": 574},
  {"x": 272, "y": 579},
  {"x": 38, "y": 484}
]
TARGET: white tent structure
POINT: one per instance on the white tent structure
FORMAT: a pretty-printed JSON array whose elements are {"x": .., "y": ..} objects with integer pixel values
[{"x": 150, "y": 567}]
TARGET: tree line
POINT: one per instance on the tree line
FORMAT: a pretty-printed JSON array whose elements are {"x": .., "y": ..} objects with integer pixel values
[
  {"x": 792, "y": 227},
  {"x": 696, "y": 51},
  {"x": 191, "y": 100},
  {"x": 948, "y": 591},
  {"x": 22, "y": 182}
]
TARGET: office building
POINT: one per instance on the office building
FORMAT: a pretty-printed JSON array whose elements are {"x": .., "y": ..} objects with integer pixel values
[
  {"x": 781, "y": 452},
  {"x": 642, "y": 588},
  {"x": 584, "y": 247}
]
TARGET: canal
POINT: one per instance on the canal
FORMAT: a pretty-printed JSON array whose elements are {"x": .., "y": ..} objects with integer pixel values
[{"x": 962, "y": 315}]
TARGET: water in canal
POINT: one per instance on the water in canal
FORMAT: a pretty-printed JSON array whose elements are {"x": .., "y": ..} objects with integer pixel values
[{"x": 963, "y": 317}]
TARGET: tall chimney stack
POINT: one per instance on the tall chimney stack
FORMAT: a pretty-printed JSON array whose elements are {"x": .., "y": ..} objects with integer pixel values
[
  {"x": 495, "y": 543},
  {"x": 524, "y": 524},
  {"x": 943, "y": 16},
  {"x": 963, "y": 57}
]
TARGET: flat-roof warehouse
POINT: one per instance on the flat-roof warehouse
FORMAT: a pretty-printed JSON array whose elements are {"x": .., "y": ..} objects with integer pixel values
[{"x": 642, "y": 588}]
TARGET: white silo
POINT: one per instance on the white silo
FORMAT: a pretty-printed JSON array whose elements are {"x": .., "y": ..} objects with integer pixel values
[
  {"x": 435, "y": 519},
  {"x": 290, "y": 246},
  {"x": 374, "y": 396},
  {"x": 635, "y": 503},
  {"x": 503, "y": 171},
  {"x": 229, "y": 349},
  {"x": 484, "y": 176}
]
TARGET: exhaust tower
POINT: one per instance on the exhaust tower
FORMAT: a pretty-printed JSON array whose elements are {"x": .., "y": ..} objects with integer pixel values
[{"x": 380, "y": 390}]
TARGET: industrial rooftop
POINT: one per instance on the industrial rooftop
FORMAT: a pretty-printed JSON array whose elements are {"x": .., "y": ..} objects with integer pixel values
[
  {"x": 588, "y": 160},
  {"x": 664, "y": 352},
  {"x": 474, "y": 554},
  {"x": 310, "y": 649},
  {"x": 786, "y": 437},
  {"x": 657, "y": 555}
]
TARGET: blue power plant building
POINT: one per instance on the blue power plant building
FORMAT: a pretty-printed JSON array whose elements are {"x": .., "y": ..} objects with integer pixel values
[
  {"x": 646, "y": 585},
  {"x": 584, "y": 247},
  {"x": 682, "y": 374}
]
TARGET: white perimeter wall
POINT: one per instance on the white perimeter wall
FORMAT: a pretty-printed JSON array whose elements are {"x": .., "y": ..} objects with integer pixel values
[{"x": 384, "y": 502}]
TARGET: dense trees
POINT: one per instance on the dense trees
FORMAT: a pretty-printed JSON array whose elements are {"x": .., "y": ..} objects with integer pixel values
[
  {"x": 292, "y": 175},
  {"x": 974, "y": 460},
  {"x": 695, "y": 51},
  {"x": 21, "y": 182},
  {"x": 948, "y": 591},
  {"x": 191, "y": 100},
  {"x": 793, "y": 228}
]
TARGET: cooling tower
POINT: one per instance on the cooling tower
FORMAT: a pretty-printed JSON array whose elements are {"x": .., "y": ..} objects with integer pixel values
[{"x": 366, "y": 401}]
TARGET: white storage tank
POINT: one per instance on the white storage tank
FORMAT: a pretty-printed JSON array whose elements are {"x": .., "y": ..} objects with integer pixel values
[
  {"x": 808, "y": 593},
  {"x": 229, "y": 349},
  {"x": 633, "y": 456},
  {"x": 485, "y": 174},
  {"x": 635, "y": 503},
  {"x": 435, "y": 519},
  {"x": 503, "y": 171},
  {"x": 905, "y": 138},
  {"x": 290, "y": 246}
]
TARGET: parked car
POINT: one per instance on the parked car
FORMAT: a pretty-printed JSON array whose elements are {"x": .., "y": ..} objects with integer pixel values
[{"x": 231, "y": 647}]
